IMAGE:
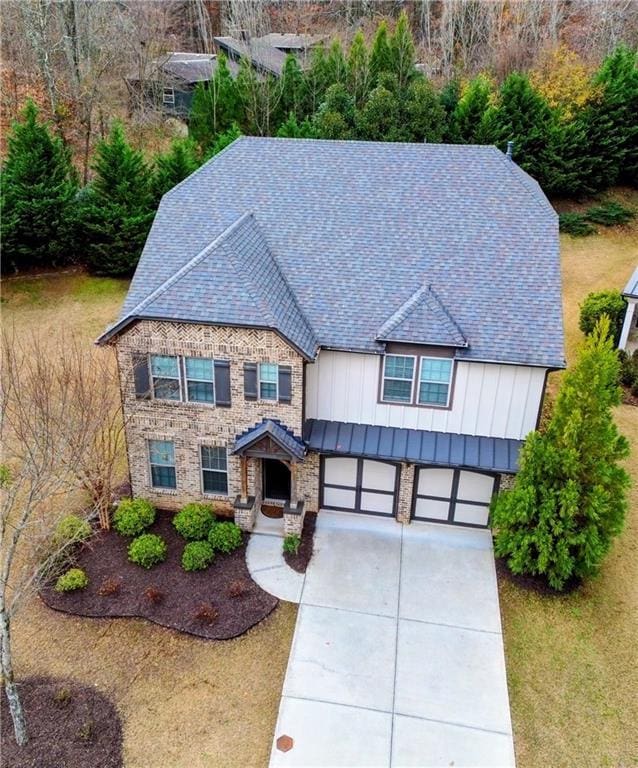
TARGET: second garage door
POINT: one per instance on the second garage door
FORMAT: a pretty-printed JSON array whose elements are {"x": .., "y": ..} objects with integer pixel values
[
  {"x": 453, "y": 496},
  {"x": 359, "y": 485}
]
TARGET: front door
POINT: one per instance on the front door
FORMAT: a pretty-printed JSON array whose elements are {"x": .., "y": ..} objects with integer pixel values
[{"x": 276, "y": 480}]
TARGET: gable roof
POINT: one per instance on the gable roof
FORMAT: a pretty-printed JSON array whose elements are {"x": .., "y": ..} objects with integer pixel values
[
  {"x": 184, "y": 67},
  {"x": 423, "y": 317},
  {"x": 262, "y": 55},
  {"x": 284, "y": 437},
  {"x": 631, "y": 289},
  {"x": 354, "y": 228}
]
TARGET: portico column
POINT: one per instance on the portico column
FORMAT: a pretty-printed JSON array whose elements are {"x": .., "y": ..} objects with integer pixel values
[
  {"x": 626, "y": 328},
  {"x": 244, "y": 477},
  {"x": 293, "y": 483}
]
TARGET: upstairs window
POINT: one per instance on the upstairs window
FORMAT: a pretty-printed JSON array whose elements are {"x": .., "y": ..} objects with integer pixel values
[
  {"x": 398, "y": 375},
  {"x": 162, "y": 461},
  {"x": 165, "y": 374},
  {"x": 200, "y": 379},
  {"x": 214, "y": 469},
  {"x": 168, "y": 97},
  {"x": 434, "y": 381},
  {"x": 268, "y": 380}
]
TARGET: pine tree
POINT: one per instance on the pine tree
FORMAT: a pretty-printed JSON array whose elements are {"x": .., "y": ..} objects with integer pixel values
[
  {"x": 38, "y": 187},
  {"x": 466, "y": 120},
  {"x": 216, "y": 105},
  {"x": 570, "y": 496},
  {"x": 358, "y": 69},
  {"x": 174, "y": 166},
  {"x": 335, "y": 118},
  {"x": 336, "y": 67},
  {"x": 293, "y": 129},
  {"x": 380, "y": 117},
  {"x": 380, "y": 54},
  {"x": 402, "y": 52},
  {"x": 225, "y": 139},
  {"x": 117, "y": 207},
  {"x": 292, "y": 89},
  {"x": 424, "y": 114},
  {"x": 315, "y": 81}
]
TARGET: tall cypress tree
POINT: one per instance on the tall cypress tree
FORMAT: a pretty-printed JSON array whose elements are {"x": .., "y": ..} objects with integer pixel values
[
  {"x": 570, "y": 496},
  {"x": 117, "y": 208},
  {"x": 216, "y": 105},
  {"x": 291, "y": 85},
  {"x": 466, "y": 119},
  {"x": 380, "y": 54},
  {"x": 174, "y": 166},
  {"x": 335, "y": 118},
  {"x": 424, "y": 113},
  {"x": 38, "y": 186},
  {"x": 358, "y": 69},
  {"x": 402, "y": 58},
  {"x": 336, "y": 66},
  {"x": 380, "y": 117},
  {"x": 315, "y": 81}
]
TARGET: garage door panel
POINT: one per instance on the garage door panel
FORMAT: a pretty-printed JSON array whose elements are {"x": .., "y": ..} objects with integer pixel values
[
  {"x": 340, "y": 471},
  {"x": 475, "y": 487},
  {"x": 377, "y": 502},
  {"x": 339, "y": 497},
  {"x": 432, "y": 508},
  {"x": 435, "y": 482},
  {"x": 378, "y": 475},
  {"x": 471, "y": 514}
]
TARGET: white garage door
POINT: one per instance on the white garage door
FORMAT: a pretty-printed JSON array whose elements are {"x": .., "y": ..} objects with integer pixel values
[
  {"x": 358, "y": 485},
  {"x": 453, "y": 496}
]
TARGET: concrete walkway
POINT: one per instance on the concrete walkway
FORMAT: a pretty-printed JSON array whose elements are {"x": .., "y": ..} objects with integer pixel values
[
  {"x": 397, "y": 657},
  {"x": 266, "y": 564}
]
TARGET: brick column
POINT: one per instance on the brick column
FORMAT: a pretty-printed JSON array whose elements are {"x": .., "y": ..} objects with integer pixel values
[{"x": 406, "y": 482}]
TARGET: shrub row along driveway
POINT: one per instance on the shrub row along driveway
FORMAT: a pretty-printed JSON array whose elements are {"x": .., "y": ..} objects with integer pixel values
[{"x": 397, "y": 657}]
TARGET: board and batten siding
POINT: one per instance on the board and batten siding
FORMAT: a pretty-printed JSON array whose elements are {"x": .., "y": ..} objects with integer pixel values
[{"x": 489, "y": 399}]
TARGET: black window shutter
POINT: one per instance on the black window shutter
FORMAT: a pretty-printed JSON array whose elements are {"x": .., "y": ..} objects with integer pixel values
[
  {"x": 285, "y": 372},
  {"x": 222, "y": 383},
  {"x": 141, "y": 377},
  {"x": 250, "y": 381}
]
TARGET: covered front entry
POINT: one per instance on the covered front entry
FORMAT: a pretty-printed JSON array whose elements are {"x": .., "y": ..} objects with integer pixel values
[
  {"x": 359, "y": 485},
  {"x": 456, "y": 496},
  {"x": 276, "y": 480}
]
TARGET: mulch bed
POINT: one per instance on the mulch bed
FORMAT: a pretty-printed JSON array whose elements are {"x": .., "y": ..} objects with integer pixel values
[
  {"x": 628, "y": 398},
  {"x": 299, "y": 562},
  {"x": 226, "y": 586},
  {"x": 69, "y": 725},
  {"x": 533, "y": 583}
]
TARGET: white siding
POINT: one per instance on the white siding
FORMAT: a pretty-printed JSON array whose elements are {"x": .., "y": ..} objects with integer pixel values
[{"x": 488, "y": 399}]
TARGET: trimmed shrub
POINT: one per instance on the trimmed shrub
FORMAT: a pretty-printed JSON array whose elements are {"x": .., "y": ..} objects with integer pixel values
[
  {"x": 609, "y": 303},
  {"x": 609, "y": 214},
  {"x": 194, "y": 521},
  {"x": 147, "y": 550},
  {"x": 197, "y": 556},
  {"x": 73, "y": 579},
  {"x": 292, "y": 542},
  {"x": 575, "y": 224},
  {"x": 133, "y": 516},
  {"x": 225, "y": 537},
  {"x": 70, "y": 529}
]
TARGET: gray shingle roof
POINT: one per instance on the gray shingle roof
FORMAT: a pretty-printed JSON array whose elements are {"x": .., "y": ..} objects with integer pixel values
[
  {"x": 262, "y": 55},
  {"x": 418, "y": 446},
  {"x": 631, "y": 289},
  {"x": 355, "y": 227},
  {"x": 281, "y": 434}
]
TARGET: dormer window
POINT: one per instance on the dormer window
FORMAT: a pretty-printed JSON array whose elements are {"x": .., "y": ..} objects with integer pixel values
[
  {"x": 398, "y": 378},
  {"x": 417, "y": 379},
  {"x": 434, "y": 381}
]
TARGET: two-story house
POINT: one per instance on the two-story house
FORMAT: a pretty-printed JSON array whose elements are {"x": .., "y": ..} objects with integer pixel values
[{"x": 340, "y": 325}]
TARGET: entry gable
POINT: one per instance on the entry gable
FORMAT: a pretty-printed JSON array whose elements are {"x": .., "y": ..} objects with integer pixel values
[{"x": 270, "y": 439}]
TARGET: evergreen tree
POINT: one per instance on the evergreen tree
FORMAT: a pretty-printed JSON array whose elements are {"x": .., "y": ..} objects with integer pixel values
[
  {"x": 424, "y": 114},
  {"x": 38, "y": 186},
  {"x": 216, "y": 105},
  {"x": 570, "y": 496},
  {"x": 467, "y": 117},
  {"x": 380, "y": 55},
  {"x": 335, "y": 118},
  {"x": 402, "y": 52},
  {"x": 523, "y": 116},
  {"x": 315, "y": 81},
  {"x": 358, "y": 69},
  {"x": 291, "y": 89},
  {"x": 336, "y": 67},
  {"x": 117, "y": 207},
  {"x": 380, "y": 117},
  {"x": 174, "y": 166},
  {"x": 225, "y": 139},
  {"x": 293, "y": 129}
]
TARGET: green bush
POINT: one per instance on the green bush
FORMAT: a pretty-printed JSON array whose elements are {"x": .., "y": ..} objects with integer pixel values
[
  {"x": 194, "y": 521},
  {"x": 197, "y": 555},
  {"x": 575, "y": 224},
  {"x": 71, "y": 528},
  {"x": 132, "y": 516},
  {"x": 292, "y": 543},
  {"x": 73, "y": 579},
  {"x": 609, "y": 214},
  {"x": 147, "y": 550},
  {"x": 609, "y": 303},
  {"x": 225, "y": 537},
  {"x": 628, "y": 368}
]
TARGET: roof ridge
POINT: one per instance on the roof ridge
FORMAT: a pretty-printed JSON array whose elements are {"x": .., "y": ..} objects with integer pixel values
[
  {"x": 513, "y": 167},
  {"x": 447, "y": 313},
  {"x": 403, "y": 311}
]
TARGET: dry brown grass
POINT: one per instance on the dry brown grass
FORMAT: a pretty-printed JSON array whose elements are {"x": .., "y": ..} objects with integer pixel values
[
  {"x": 184, "y": 702},
  {"x": 572, "y": 660}
]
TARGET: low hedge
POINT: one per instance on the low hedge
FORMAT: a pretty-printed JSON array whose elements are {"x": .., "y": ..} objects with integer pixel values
[
  {"x": 194, "y": 521},
  {"x": 133, "y": 516},
  {"x": 73, "y": 579},
  {"x": 70, "y": 529},
  {"x": 147, "y": 550},
  {"x": 225, "y": 537},
  {"x": 197, "y": 556}
]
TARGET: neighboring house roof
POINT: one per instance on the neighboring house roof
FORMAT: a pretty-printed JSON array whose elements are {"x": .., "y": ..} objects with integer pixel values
[
  {"x": 495, "y": 454},
  {"x": 262, "y": 55},
  {"x": 631, "y": 289},
  {"x": 290, "y": 41},
  {"x": 183, "y": 67},
  {"x": 284, "y": 437},
  {"x": 234, "y": 280},
  {"x": 355, "y": 227},
  {"x": 423, "y": 316}
]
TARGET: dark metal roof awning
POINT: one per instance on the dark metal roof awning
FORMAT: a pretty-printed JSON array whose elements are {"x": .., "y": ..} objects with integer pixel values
[
  {"x": 270, "y": 438},
  {"x": 415, "y": 446}
]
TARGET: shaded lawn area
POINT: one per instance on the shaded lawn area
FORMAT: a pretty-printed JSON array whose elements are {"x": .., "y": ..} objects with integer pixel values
[
  {"x": 572, "y": 661},
  {"x": 179, "y": 595}
]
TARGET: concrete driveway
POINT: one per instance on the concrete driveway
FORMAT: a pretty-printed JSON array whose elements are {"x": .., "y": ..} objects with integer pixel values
[{"x": 397, "y": 657}]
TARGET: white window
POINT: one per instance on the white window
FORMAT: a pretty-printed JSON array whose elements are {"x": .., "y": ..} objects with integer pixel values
[
  {"x": 168, "y": 97},
  {"x": 268, "y": 381},
  {"x": 214, "y": 469},
  {"x": 200, "y": 379},
  {"x": 398, "y": 377},
  {"x": 434, "y": 381},
  {"x": 162, "y": 460},
  {"x": 165, "y": 374}
]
